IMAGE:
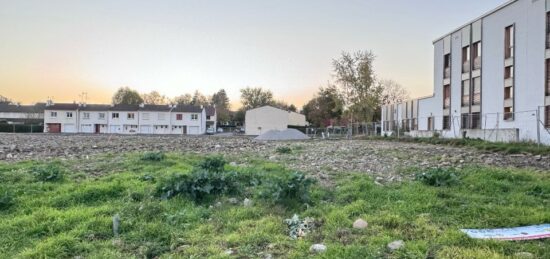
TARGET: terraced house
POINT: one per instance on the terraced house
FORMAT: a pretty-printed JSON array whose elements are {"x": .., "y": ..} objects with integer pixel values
[
  {"x": 124, "y": 119},
  {"x": 491, "y": 80}
]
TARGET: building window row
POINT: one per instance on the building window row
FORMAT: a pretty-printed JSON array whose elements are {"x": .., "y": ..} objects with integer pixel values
[{"x": 509, "y": 73}]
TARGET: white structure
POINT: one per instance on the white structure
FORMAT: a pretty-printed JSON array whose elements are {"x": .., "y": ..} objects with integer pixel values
[
  {"x": 211, "y": 117},
  {"x": 491, "y": 80},
  {"x": 266, "y": 118},
  {"x": 22, "y": 114},
  {"x": 124, "y": 119}
]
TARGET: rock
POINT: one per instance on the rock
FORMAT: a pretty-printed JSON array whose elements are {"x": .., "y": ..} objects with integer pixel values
[
  {"x": 360, "y": 224},
  {"x": 395, "y": 245},
  {"x": 217, "y": 146},
  {"x": 13, "y": 148},
  {"x": 538, "y": 157},
  {"x": 233, "y": 201},
  {"x": 318, "y": 248},
  {"x": 248, "y": 203},
  {"x": 524, "y": 255},
  {"x": 9, "y": 155},
  {"x": 229, "y": 252}
]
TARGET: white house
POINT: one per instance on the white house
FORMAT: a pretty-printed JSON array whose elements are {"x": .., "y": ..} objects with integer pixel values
[
  {"x": 93, "y": 118},
  {"x": 154, "y": 119},
  {"x": 22, "y": 114},
  {"x": 61, "y": 118},
  {"x": 124, "y": 119},
  {"x": 211, "y": 117},
  {"x": 266, "y": 118},
  {"x": 491, "y": 79},
  {"x": 188, "y": 120}
]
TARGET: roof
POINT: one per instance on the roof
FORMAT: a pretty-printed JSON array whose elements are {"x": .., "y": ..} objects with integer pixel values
[
  {"x": 95, "y": 107},
  {"x": 187, "y": 108},
  {"x": 124, "y": 107},
  {"x": 210, "y": 111},
  {"x": 37, "y": 108},
  {"x": 500, "y": 7},
  {"x": 157, "y": 108},
  {"x": 269, "y": 106},
  {"x": 63, "y": 107}
]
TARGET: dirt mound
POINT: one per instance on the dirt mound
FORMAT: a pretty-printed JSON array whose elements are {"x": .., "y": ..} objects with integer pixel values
[{"x": 288, "y": 134}]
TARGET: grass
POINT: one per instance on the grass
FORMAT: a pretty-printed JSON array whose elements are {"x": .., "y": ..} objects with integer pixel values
[
  {"x": 508, "y": 148},
  {"x": 73, "y": 215}
]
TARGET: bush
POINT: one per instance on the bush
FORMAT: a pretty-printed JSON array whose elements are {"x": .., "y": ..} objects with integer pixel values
[
  {"x": 48, "y": 173},
  {"x": 283, "y": 150},
  {"x": 213, "y": 164},
  {"x": 286, "y": 187},
  {"x": 199, "y": 184},
  {"x": 153, "y": 156},
  {"x": 6, "y": 200},
  {"x": 438, "y": 177}
]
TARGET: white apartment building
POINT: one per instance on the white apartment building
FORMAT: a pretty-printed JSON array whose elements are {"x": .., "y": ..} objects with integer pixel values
[
  {"x": 491, "y": 80},
  {"x": 124, "y": 119}
]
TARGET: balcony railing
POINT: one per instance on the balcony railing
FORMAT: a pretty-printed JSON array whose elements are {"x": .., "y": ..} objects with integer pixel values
[
  {"x": 447, "y": 73},
  {"x": 477, "y": 63},
  {"x": 466, "y": 67}
]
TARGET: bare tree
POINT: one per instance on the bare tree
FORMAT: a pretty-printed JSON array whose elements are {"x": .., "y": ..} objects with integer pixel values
[
  {"x": 392, "y": 92},
  {"x": 154, "y": 97}
]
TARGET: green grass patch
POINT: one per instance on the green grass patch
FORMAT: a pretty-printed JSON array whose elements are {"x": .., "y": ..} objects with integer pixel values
[{"x": 73, "y": 217}]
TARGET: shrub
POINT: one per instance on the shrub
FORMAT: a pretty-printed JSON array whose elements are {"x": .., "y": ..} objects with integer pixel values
[
  {"x": 199, "y": 184},
  {"x": 213, "y": 164},
  {"x": 48, "y": 173},
  {"x": 6, "y": 200},
  {"x": 283, "y": 150},
  {"x": 153, "y": 156},
  {"x": 438, "y": 177},
  {"x": 286, "y": 187}
]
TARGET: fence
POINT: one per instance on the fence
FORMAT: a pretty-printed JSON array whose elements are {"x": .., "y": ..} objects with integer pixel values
[
  {"x": 340, "y": 132},
  {"x": 528, "y": 126},
  {"x": 21, "y": 128}
]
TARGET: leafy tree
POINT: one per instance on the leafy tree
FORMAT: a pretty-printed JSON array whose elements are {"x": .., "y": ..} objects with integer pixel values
[
  {"x": 392, "y": 92},
  {"x": 184, "y": 99},
  {"x": 199, "y": 99},
  {"x": 221, "y": 101},
  {"x": 356, "y": 81},
  {"x": 283, "y": 105},
  {"x": 154, "y": 97},
  {"x": 256, "y": 97},
  {"x": 326, "y": 107},
  {"x": 125, "y": 95}
]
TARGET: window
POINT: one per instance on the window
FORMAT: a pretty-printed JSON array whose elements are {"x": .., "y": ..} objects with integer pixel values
[
  {"x": 508, "y": 93},
  {"x": 53, "y": 114},
  {"x": 509, "y": 41},
  {"x": 102, "y": 116},
  {"x": 131, "y": 116},
  {"x": 465, "y": 93},
  {"x": 446, "y": 122},
  {"x": 508, "y": 113},
  {"x": 465, "y": 121},
  {"x": 466, "y": 59},
  {"x": 414, "y": 124},
  {"x": 476, "y": 54},
  {"x": 548, "y": 30},
  {"x": 145, "y": 116},
  {"x": 475, "y": 121},
  {"x": 194, "y": 117},
  {"x": 509, "y": 72},
  {"x": 69, "y": 114},
  {"x": 447, "y": 66},
  {"x": 476, "y": 100},
  {"x": 179, "y": 117},
  {"x": 208, "y": 117},
  {"x": 86, "y": 116},
  {"x": 547, "y": 77},
  {"x": 547, "y": 116},
  {"x": 430, "y": 123},
  {"x": 115, "y": 115},
  {"x": 446, "y": 97}
]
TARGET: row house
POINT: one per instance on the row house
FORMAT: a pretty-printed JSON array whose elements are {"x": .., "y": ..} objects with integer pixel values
[
  {"x": 491, "y": 79},
  {"x": 125, "y": 119}
]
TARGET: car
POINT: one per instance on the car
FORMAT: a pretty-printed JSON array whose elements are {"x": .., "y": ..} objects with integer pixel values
[{"x": 210, "y": 131}]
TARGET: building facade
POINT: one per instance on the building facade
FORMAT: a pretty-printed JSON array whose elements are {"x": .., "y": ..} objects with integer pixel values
[
  {"x": 491, "y": 80},
  {"x": 124, "y": 119},
  {"x": 266, "y": 118}
]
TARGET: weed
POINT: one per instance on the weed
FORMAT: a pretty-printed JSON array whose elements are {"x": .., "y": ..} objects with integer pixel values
[
  {"x": 438, "y": 177},
  {"x": 48, "y": 173},
  {"x": 298, "y": 228},
  {"x": 6, "y": 200},
  {"x": 283, "y": 150},
  {"x": 153, "y": 156},
  {"x": 213, "y": 164}
]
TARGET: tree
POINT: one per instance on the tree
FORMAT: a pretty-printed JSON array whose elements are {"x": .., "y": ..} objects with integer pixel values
[
  {"x": 154, "y": 97},
  {"x": 392, "y": 92},
  {"x": 221, "y": 101},
  {"x": 356, "y": 81},
  {"x": 256, "y": 97},
  {"x": 184, "y": 99},
  {"x": 199, "y": 99},
  {"x": 326, "y": 107},
  {"x": 125, "y": 95},
  {"x": 4, "y": 100}
]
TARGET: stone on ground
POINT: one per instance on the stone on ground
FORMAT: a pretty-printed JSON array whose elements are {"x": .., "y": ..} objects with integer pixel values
[
  {"x": 360, "y": 224},
  {"x": 248, "y": 202},
  {"x": 318, "y": 248},
  {"x": 395, "y": 245},
  {"x": 281, "y": 135}
]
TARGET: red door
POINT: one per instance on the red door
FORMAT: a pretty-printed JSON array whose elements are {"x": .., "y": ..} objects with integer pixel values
[{"x": 54, "y": 127}]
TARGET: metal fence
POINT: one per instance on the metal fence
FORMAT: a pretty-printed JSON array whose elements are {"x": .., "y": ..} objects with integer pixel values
[
  {"x": 21, "y": 128},
  {"x": 341, "y": 132}
]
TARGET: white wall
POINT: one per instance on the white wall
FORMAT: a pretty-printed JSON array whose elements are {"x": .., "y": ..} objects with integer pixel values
[
  {"x": 264, "y": 119},
  {"x": 194, "y": 127},
  {"x": 68, "y": 124},
  {"x": 122, "y": 124},
  {"x": 88, "y": 125}
]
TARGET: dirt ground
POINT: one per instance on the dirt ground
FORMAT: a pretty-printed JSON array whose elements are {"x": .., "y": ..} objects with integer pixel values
[{"x": 385, "y": 161}]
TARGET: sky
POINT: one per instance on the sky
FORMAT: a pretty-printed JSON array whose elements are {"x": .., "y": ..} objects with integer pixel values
[{"x": 61, "y": 48}]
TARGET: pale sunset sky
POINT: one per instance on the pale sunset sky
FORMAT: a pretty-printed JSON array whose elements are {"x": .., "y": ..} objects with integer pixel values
[{"x": 61, "y": 48}]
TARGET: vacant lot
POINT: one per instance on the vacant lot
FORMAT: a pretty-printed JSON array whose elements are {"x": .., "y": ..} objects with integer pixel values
[{"x": 60, "y": 194}]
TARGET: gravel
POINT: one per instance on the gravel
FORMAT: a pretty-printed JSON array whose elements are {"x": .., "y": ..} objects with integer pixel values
[
  {"x": 383, "y": 161},
  {"x": 282, "y": 135}
]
